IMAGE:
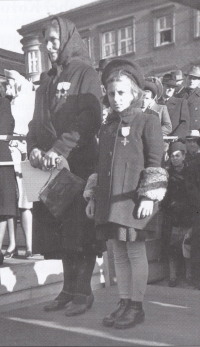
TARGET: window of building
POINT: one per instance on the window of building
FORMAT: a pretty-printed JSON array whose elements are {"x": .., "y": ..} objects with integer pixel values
[
  {"x": 108, "y": 44},
  {"x": 118, "y": 42},
  {"x": 164, "y": 30},
  {"x": 197, "y": 24},
  {"x": 125, "y": 41},
  {"x": 33, "y": 61}
]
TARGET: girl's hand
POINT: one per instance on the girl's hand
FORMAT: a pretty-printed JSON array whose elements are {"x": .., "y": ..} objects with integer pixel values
[
  {"x": 145, "y": 208},
  {"x": 90, "y": 209}
]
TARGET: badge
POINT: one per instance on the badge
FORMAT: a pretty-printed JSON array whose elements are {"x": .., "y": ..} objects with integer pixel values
[
  {"x": 125, "y": 132},
  {"x": 62, "y": 89}
]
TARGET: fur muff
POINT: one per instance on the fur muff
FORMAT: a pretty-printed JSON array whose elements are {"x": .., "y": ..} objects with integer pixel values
[{"x": 153, "y": 183}]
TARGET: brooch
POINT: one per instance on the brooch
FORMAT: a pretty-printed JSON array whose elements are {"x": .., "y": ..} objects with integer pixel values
[
  {"x": 62, "y": 89},
  {"x": 125, "y": 132}
]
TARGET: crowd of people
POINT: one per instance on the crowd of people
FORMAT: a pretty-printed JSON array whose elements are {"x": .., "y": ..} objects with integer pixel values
[{"x": 134, "y": 140}]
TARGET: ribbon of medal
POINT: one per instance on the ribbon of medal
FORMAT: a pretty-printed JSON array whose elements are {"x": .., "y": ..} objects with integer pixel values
[{"x": 125, "y": 132}]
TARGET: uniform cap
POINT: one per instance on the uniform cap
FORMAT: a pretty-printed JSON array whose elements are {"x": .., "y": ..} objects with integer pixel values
[{"x": 177, "y": 146}]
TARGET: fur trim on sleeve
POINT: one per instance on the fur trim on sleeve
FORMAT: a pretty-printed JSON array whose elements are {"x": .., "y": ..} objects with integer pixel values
[
  {"x": 153, "y": 184},
  {"x": 89, "y": 191}
]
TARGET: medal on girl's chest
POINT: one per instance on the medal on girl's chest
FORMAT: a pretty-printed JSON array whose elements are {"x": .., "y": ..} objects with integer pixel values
[{"x": 125, "y": 132}]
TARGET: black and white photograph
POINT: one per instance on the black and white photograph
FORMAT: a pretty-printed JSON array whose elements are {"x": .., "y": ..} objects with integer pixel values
[{"x": 100, "y": 173}]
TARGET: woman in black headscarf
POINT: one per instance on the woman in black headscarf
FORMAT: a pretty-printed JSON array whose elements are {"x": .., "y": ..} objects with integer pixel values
[{"x": 66, "y": 120}]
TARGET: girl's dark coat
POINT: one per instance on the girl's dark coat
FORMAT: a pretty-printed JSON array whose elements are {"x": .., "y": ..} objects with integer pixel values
[{"x": 121, "y": 166}]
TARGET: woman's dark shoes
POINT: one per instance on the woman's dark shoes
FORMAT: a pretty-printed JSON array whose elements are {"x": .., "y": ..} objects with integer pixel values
[
  {"x": 173, "y": 282},
  {"x": 76, "y": 309},
  {"x": 130, "y": 317},
  {"x": 1, "y": 257},
  {"x": 109, "y": 321},
  {"x": 59, "y": 303},
  {"x": 56, "y": 305},
  {"x": 8, "y": 255}
]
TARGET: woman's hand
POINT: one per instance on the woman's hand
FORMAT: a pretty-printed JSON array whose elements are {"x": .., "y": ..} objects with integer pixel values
[
  {"x": 49, "y": 159},
  {"x": 90, "y": 209},
  {"x": 145, "y": 208},
  {"x": 36, "y": 158}
]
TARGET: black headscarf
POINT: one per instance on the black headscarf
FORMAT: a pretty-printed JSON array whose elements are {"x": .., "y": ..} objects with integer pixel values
[{"x": 71, "y": 46}]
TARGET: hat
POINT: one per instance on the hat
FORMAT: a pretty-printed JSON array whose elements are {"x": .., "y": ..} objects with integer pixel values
[
  {"x": 194, "y": 71},
  {"x": 177, "y": 146},
  {"x": 193, "y": 134},
  {"x": 152, "y": 87},
  {"x": 178, "y": 74},
  {"x": 43, "y": 77},
  {"x": 169, "y": 79},
  {"x": 132, "y": 69},
  {"x": 12, "y": 74},
  {"x": 102, "y": 64},
  {"x": 157, "y": 83}
]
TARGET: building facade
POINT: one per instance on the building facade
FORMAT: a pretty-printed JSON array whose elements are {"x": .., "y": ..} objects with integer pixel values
[
  {"x": 11, "y": 61},
  {"x": 160, "y": 35}
]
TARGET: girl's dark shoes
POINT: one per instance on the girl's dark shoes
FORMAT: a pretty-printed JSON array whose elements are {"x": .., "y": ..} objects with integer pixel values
[
  {"x": 132, "y": 316},
  {"x": 109, "y": 321},
  {"x": 1, "y": 257},
  {"x": 8, "y": 255}
]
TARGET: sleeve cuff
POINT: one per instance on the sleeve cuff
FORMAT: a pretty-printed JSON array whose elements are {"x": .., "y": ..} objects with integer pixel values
[{"x": 153, "y": 184}]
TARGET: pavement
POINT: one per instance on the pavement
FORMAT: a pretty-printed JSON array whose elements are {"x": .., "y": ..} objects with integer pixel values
[{"x": 172, "y": 319}]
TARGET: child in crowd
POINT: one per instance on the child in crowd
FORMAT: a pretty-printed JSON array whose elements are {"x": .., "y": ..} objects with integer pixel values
[
  {"x": 178, "y": 215},
  {"x": 130, "y": 181}
]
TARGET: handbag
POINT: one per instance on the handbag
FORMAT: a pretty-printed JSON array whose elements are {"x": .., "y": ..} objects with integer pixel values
[{"x": 59, "y": 193}]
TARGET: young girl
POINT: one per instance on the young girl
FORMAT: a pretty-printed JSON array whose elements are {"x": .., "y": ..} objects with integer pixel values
[{"x": 130, "y": 181}]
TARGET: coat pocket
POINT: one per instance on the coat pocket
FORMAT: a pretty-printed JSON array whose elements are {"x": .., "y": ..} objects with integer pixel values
[{"x": 131, "y": 180}]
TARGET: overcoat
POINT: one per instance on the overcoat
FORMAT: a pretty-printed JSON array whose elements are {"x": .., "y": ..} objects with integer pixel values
[
  {"x": 8, "y": 200},
  {"x": 68, "y": 124},
  {"x": 193, "y": 100},
  {"x": 193, "y": 192},
  {"x": 176, "y": 203},
  {"x": 131, "y": 145},
  {"x": 162, "y": 112},
  {"x": 179, "y": 115}
]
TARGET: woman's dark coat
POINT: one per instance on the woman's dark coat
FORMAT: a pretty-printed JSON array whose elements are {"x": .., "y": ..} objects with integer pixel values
[
  {"x": 121, "y": 166},
  {"x": 179, "y": 115},
  {"x": 69, "y": 126},
  {"x": 8, "y": 197}
]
